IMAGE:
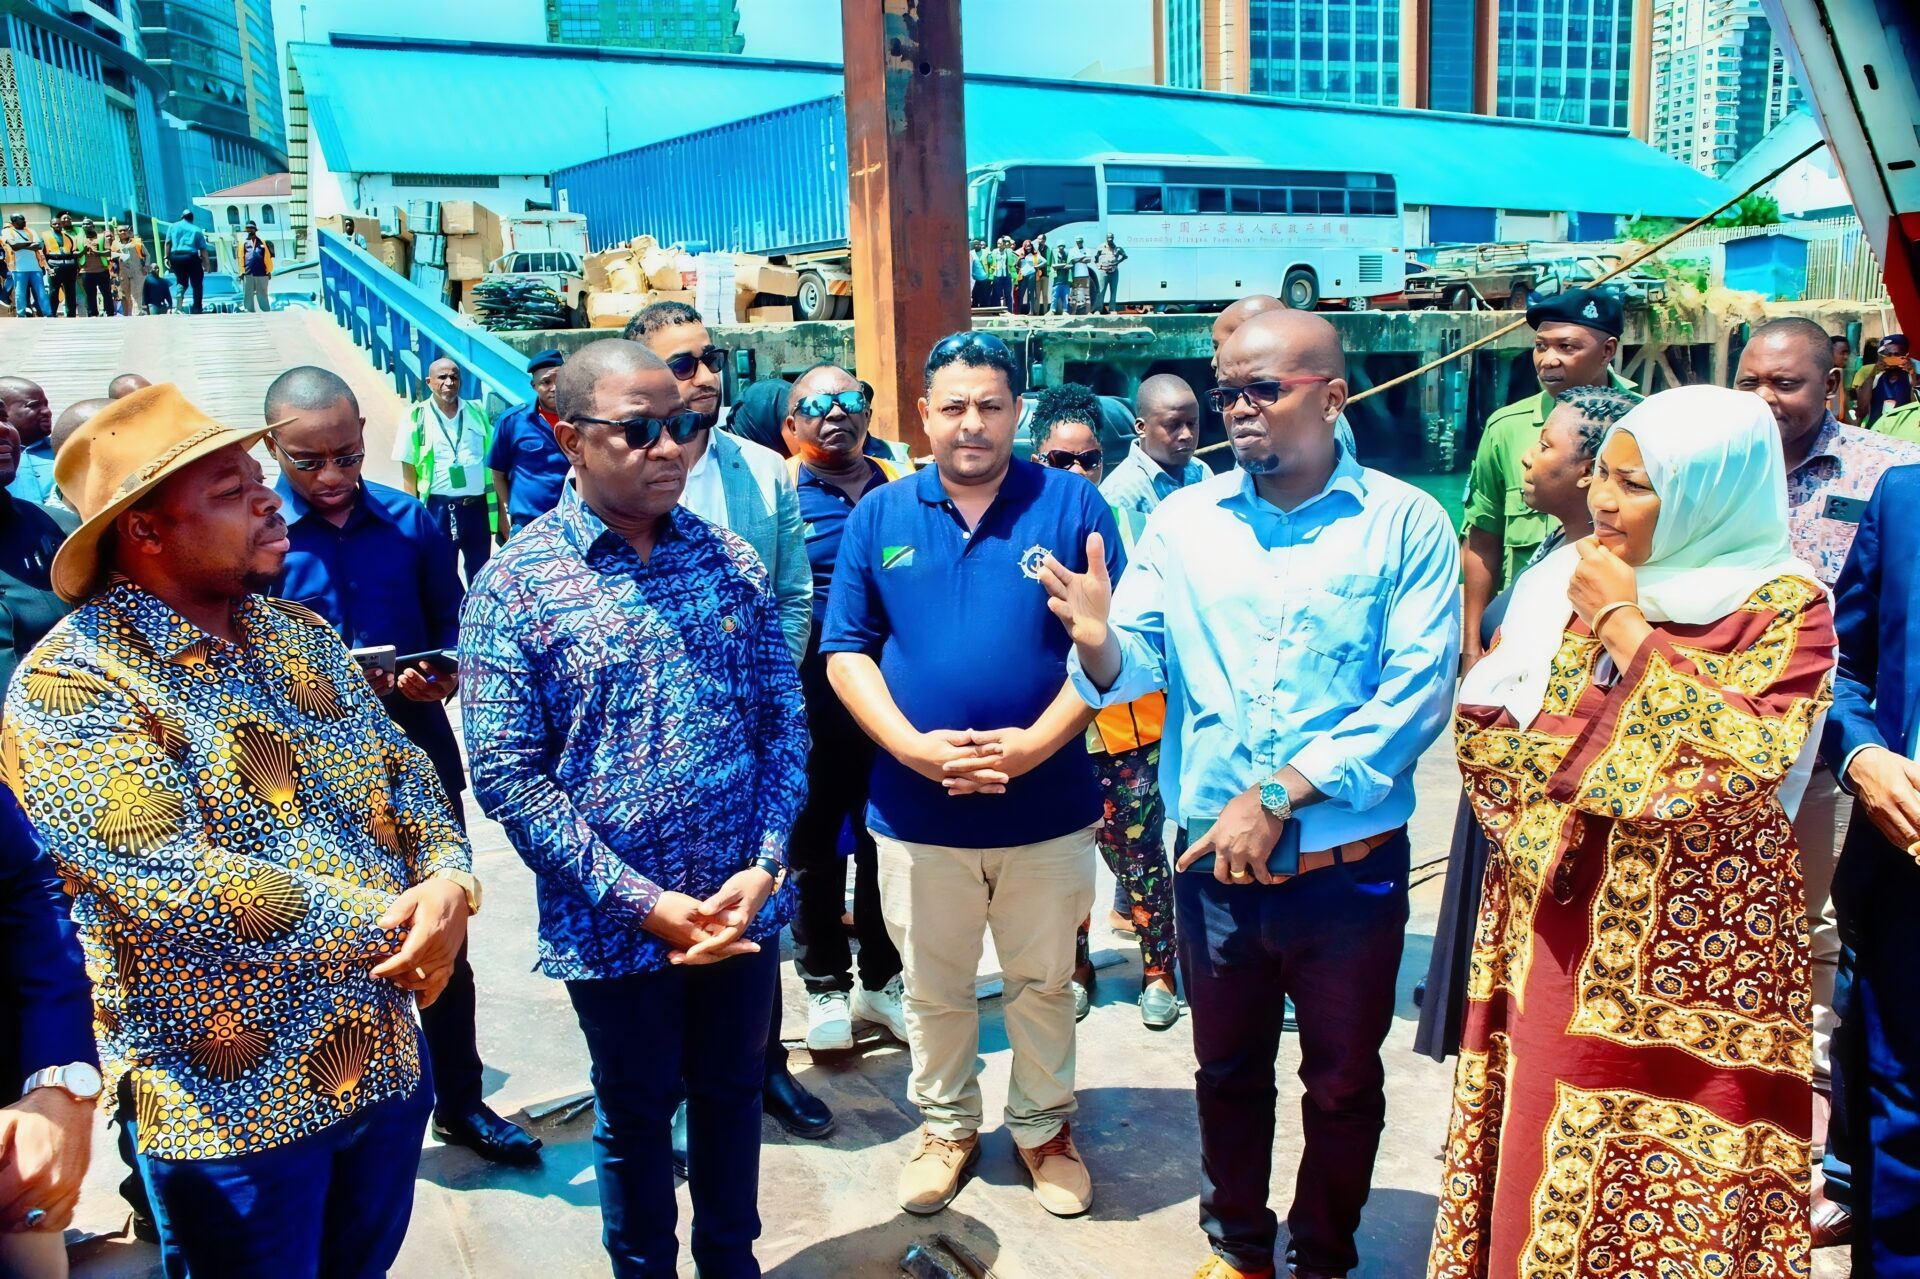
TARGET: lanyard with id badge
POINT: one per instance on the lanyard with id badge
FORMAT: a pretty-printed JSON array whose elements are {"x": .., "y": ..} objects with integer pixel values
[{"x": 456, "y": 470}]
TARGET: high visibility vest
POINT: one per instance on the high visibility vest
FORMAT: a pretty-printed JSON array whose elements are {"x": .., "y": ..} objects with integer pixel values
[
  {"x": 1141, "y": 722},
  {"x": 421, "y": 453}
]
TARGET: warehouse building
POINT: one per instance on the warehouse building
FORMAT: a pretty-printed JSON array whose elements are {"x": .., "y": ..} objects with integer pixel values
[{"x": 1461, "y": 177}]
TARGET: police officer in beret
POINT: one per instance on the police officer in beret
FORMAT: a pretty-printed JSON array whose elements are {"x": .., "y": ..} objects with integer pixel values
[
  {"x": 1575, "y": 336},
  {"x": 525, "y": 462}
]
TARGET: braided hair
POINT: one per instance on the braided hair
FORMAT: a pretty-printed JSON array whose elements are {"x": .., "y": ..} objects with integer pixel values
[{"x": 1599, "y": 408}]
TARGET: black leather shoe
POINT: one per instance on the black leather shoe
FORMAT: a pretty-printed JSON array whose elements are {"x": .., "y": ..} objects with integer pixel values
[
  {"x": 789, "y": 1104},
  {"x": 488, "y": 1135},
  {"x": 678, "y": 1136}
]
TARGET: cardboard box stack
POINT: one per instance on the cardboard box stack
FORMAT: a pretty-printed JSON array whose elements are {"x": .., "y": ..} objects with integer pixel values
[
  {"x": 474, "y": 238},
  {"x": 395, "y": 251},
  {"x": 627, "y": 277}
]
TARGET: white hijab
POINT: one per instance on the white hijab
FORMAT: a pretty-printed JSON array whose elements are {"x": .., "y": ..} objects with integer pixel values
[{"x": 1713, "y": 458}]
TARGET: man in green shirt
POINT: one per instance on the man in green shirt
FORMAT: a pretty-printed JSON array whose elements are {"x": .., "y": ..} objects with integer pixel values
[
  {"x": 1902, "y": 423},
  {"x": 1575, "y": 336}
]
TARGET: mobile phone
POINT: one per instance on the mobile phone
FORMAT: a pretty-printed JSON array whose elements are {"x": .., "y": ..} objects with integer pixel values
[
  {"x": 1847, "y": 510},
  {"x": 1284, "y": 860},
  {"x": 443, "y": 660},
  {"x": 378, "y": 655}
]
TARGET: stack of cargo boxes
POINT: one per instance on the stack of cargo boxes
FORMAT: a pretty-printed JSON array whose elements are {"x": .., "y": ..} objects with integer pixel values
[
  {"x": 391, "y": 248},
  {"x": 726, "y": 288},
  {"x": 474, "y": 238},
  {"x": 429, "y": 273}
]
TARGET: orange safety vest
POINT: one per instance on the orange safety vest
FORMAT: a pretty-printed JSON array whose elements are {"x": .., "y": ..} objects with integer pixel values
[{"x": 1141, "y": 722}]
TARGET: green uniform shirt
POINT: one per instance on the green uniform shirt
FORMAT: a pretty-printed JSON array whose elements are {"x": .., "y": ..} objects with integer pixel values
[
  {"x": 1902, "y": 423},
  {"x": 1494, "y": 499}
]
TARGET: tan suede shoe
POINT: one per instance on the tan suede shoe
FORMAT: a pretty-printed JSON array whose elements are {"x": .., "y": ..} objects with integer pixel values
[
  {"x": 1060, "y": 1180},
  {"x": 933, "y": 1176},
  {"x": 1220, "y": 1268}
]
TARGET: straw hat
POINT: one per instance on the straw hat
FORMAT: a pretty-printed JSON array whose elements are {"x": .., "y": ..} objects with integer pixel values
[{"x": 117, "y": 457}]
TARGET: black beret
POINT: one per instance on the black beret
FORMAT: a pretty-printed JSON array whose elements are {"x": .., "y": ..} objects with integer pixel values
[
  {"x": 1598, "y": 309},
  {"x": 545, "y": 360}
]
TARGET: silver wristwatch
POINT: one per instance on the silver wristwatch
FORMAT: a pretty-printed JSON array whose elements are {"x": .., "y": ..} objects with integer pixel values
[{"x": 78, "y": 1080}]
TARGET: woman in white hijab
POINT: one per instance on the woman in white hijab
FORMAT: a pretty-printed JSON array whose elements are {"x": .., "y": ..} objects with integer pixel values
[{"x": 1633, "y": 1094}]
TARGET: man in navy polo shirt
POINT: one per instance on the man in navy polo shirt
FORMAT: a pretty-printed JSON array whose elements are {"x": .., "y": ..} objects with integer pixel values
[
  {"x": 984, "y": 799},
  {"x": 372, "y": 562},
  {"x": 526, "y": 463}
]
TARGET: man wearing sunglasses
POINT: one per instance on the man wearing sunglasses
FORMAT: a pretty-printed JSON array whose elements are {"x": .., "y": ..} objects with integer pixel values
[
  {"x": 826, "y": 428},
  {"x": 983, "y": 800},
  {"x": 635, "y": 723},
  {"x": 524, "y": 461},
  {"x": 1301, "y": 613},
  {"x": 372, "y": 562}
]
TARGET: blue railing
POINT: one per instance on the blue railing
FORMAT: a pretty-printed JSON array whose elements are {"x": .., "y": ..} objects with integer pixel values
[{"x": 404, "y": 330}]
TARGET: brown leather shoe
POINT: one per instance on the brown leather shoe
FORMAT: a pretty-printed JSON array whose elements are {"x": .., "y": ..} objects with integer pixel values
[
  {"x": 935, "y": 1173},
  {"x": 1060, "y": 1180}
]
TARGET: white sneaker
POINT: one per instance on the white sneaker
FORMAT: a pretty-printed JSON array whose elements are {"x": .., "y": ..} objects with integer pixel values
[
  {"x": 883, "y": 1007},
  {"x": 828, "y": 1026}
]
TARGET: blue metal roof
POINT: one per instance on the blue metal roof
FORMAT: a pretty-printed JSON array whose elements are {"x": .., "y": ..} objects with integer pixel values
[{"x": 408, "y": 106}]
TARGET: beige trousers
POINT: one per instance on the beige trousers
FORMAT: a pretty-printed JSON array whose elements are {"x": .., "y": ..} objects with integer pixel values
[
  {"x": 1820, "y": 827},
  {"x": 938, "y": 902}
]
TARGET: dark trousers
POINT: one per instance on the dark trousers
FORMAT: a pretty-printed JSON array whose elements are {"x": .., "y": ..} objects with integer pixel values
[
  {"x": 1877, "y": 1050},
  {"x": 453, "y": 1044},
  {"x": 65, "y": 283},
  {"x": 1331, "y": 941},
  {"x": 1003, "y": 292},
  {"x": 464, "y": 519},
  {"x": 189, "y": 272},
  {"x": 652, "y": 1037},
  {"x": 838, "y": 764},
  {"x": 334, "y": 1204},
  {"x": 99, "y": 290}
]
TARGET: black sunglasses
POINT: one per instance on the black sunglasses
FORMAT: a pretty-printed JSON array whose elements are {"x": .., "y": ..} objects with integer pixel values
[
  {"x": 821, "y": 405},
  {"x": 683, "y": 364},
  {"x": 969, "y": 340},
  {"x": 1064, "y": 460},
  {"x": 346, "y": 461},
  {"x": 1259, "y": 394},
  {"x": 645, "y": 432}
]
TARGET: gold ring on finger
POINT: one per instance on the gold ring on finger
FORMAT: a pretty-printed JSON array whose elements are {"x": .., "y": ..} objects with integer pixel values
[{"x": 1240, "y": 874}]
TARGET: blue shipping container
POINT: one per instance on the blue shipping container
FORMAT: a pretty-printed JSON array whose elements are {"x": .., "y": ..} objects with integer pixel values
[{"x": 772, "y": 184}]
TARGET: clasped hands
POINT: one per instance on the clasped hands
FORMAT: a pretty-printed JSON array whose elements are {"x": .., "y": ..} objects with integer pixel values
[
  {"x": 973, "y": 761},
  {"x": 706, "y": 932}
]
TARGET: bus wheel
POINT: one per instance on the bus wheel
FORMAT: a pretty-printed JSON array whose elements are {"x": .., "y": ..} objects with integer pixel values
[
  {"x": 811, "y": 301},
  {"x": 1300, "y": 290}
]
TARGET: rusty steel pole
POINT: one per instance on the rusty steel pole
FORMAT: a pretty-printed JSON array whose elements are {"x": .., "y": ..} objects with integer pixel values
[{"x": 907, "y": 196}]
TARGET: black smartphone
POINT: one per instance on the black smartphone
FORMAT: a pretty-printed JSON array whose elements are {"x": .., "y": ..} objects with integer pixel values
[
  {"x": 1283, "y": 861},
  {"x": 443, "y": 660},
  {"x": 1847, "y": 510}
]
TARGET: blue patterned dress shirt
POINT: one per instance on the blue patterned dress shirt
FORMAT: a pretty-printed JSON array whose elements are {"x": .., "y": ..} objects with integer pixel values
[{"x": 636, "y": 726}]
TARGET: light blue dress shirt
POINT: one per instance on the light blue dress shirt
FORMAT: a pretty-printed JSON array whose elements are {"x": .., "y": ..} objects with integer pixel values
[
  {"x": 1324, "y": 637},
  {"x": 1140, "y": 484}
]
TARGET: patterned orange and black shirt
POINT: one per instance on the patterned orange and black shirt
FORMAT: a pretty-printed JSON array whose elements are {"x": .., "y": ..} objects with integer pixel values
[{"x": 231, "y": 821}]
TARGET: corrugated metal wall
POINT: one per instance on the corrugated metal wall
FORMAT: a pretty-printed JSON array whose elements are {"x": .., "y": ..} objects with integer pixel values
[{"x": 774, "y": 184}]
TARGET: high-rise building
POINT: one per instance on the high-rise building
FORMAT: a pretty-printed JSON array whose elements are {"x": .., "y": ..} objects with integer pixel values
[
  {"x": 222, "y": 110},
  {"x": 79, "y": 111},
  {"x": 1720, "y": 81},
  {"x": 691, "y": 26},
  {"x": 1570, "y": 61}
]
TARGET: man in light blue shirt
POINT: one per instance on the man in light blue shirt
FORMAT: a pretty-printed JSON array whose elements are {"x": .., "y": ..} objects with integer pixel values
[
  {"x": 1302, "y": 614},
  {"x": 186, "y": 258},
  {"x": 1166, "y": 430}
]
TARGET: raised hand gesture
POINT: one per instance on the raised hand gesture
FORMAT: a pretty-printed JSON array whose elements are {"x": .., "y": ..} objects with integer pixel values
[{"x": 1081, "y": 601}]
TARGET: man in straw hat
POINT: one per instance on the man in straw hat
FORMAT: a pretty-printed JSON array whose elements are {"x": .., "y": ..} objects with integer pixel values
[{"x": 265, "y": 874}]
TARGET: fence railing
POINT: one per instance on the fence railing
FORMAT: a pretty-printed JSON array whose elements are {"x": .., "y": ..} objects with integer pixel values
[
  {"x": 1844, "y": 267},
  {"x": 404, "y": 331}
]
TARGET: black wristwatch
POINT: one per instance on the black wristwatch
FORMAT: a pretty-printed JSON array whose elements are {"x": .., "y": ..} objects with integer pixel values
[{"x": 774, "y": 867}]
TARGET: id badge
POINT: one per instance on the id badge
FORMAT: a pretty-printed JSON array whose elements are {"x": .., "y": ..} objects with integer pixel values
[{"x": 457, "y": 476}]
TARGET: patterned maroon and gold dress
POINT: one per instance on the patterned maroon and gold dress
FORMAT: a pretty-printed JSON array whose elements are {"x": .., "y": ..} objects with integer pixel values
[{"x": 1633, "y": 1093}]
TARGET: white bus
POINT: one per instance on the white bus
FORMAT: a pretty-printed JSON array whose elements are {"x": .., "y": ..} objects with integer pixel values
[{"x": 1206, "y": 231}]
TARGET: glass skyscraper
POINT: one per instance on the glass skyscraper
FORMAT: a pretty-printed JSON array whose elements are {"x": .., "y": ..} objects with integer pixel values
[
  {"x": 1565, "y": 60},
  {"x": 225, "y": 124},
  {"x": 1719, "y": 81},
  {"x": 690, "y": 26},
  {"x": 1325, "y": 50}
]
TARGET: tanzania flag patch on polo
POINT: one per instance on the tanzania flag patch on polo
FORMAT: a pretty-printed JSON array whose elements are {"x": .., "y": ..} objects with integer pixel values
[{"x": 896, "y": 557}]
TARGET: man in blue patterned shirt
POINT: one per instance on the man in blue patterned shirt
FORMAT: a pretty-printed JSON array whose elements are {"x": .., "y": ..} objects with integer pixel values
[
  {"x": 634, "y": 720},
  {"x": 264, "y": 868}
]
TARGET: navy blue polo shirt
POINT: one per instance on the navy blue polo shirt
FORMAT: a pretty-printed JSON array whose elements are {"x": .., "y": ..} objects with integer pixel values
[
  {"x": 824, "y": 508},
  {"x": 387, "y": 576},
  {"x": 959, "y": 624},
  {"x": 525, "y": 451}
]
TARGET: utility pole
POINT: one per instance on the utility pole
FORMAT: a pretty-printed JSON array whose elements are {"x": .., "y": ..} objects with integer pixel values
[{"x": 907, "y": 192}]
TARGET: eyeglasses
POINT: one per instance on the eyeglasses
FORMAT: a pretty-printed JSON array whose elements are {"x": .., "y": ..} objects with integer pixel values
[
  {"x": 1259, "y": 394},
  {"x": 307, "y": 465},
  {"x": 683, "y": 364},
  {"x": 821, "y": 405},
  {"x": 1065, "y": 460},
  {"x": 644, "y": 432}
]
